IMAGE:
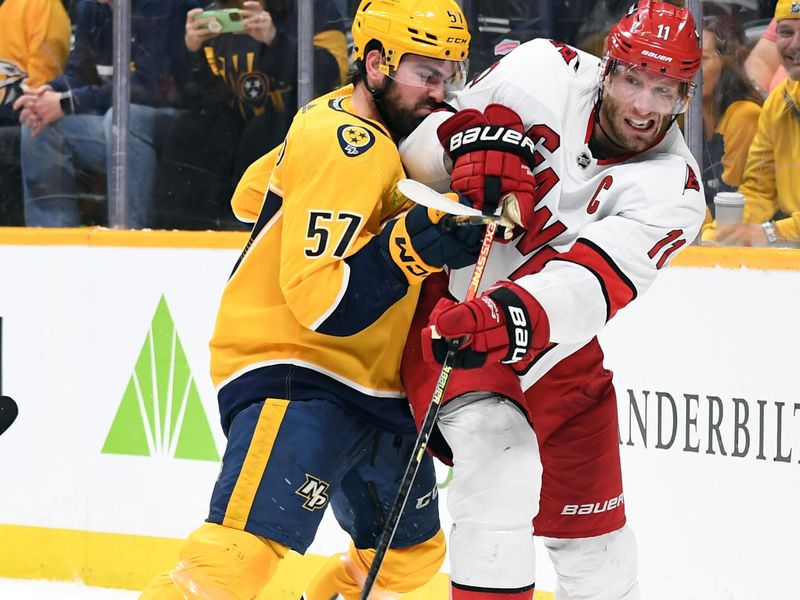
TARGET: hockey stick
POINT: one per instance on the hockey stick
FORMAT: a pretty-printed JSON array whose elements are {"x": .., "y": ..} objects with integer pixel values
[
  {"x": 428, "y": 423},
  {"x": 421, "y": 194},
  {"x": 8, "y": 413}
]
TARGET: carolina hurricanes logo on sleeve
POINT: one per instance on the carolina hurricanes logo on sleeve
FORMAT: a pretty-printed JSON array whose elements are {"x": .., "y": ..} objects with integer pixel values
[
  {"x": 355, "y": 140},
  {"x": 692, "y": 183},
  {"x": 567, "y": 53}
]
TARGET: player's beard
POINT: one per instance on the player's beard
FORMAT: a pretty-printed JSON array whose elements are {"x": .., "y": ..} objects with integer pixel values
[
  {"x": 402, "y": 119},
  {"x": 612, "y": 123}
]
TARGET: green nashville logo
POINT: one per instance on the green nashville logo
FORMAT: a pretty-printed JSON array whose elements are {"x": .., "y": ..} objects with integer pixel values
[{"x": 161, "y": 413}]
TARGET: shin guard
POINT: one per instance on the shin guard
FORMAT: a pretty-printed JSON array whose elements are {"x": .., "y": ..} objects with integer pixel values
[
  {"x": 403, "y": 571},
  {"x": 218, "y": 563}
]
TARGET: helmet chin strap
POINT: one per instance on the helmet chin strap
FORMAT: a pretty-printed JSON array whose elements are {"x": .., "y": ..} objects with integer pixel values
[
  {"x": 380, "y": 104},
  {"x": 597, "y": 106}
]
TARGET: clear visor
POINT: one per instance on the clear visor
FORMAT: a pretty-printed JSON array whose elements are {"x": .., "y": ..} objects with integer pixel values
[
  {"x": 431, "y": 73},
  {"x": 651, "y": 92}
]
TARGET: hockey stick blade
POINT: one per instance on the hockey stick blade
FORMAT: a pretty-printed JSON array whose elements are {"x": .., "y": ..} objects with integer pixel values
[
  {"x": 8, "y": 413},
  {"x": 421, "y": 444},
  {"x": 421, "y": 194}
]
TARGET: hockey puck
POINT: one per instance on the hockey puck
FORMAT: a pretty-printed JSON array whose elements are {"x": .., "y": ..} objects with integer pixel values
[{"x": 8, "y": 413}]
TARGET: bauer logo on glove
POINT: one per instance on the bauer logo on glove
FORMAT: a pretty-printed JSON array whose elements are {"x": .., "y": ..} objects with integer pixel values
[
  {"x": 493, "y": 158},
  {"x": 491, "y": 137},
  {"x": 506, "y": 324}
]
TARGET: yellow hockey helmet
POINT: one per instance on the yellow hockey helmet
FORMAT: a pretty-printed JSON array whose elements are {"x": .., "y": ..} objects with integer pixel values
[{"x": 432, "y": 28}]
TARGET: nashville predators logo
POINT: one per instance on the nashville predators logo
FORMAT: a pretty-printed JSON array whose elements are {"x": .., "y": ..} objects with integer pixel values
[
  {"x": 355, "y": 140},
  {"x": 315, "y": 492},
  {"x": 253, "y": 87},
  {"x": 11, "y": 80},
  {"x": 795, "y": 8}
]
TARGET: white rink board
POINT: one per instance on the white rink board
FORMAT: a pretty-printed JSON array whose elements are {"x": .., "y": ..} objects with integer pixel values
[
  {"x": 709, "y": 526},
  {"x": 74, "y": 321},
  {"x": 712, "y": 527}
]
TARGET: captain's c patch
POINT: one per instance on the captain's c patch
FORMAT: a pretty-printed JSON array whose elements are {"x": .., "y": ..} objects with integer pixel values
[{"x": 355, "y": 140}]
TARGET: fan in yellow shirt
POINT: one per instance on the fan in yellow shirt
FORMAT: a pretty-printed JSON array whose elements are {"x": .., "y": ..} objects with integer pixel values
[{"x": 771, "y": 184}]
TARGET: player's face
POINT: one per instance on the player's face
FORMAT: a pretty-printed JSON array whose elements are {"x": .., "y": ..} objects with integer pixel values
[
  {"x": 638, "y": 106},
  {"x": 417, "y": 87},
  {"x": 788, "y": 43}
]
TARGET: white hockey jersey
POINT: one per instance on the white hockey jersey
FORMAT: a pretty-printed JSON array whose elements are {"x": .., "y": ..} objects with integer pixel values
[{"x": 606, "y": 227}]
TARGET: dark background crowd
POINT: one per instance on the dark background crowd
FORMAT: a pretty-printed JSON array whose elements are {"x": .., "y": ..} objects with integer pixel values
[{"x": 204, "y": 105}]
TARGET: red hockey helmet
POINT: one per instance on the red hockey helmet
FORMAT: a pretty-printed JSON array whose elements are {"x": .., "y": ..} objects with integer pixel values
[{"x": 658, "y": 37}]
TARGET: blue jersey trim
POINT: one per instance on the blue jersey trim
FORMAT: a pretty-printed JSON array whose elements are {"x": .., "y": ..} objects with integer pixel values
[
  {"x": 292, "y": 382},
  {"x": 373, "y": 287}
]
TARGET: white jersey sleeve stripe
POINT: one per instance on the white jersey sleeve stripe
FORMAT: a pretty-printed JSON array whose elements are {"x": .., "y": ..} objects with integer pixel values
[{"x": 618, "y": 290}]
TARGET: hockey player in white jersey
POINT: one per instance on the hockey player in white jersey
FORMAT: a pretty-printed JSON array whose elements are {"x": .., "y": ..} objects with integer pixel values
[{"x": 589, "y": 165}]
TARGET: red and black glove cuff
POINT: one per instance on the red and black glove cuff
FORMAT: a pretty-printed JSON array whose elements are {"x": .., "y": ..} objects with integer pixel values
[
  {"x": 506, "y": 324},
  {"x": 492, "y": 156},
  {"x": 497, "y": 128},
  {"x": 518, "y": 322},
  {"x": 485, "y": 137}
]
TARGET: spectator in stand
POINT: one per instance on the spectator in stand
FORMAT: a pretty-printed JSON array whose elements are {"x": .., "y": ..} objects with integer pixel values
[
  {"x": 763, "y": 65},
  {"x": 771, "y": 183},
  {"x": 241, "y": 97},
  {"x": 67, "y": 122},
  {"x": 731, "y": 106},
  {"x": 34, "y": 44}
]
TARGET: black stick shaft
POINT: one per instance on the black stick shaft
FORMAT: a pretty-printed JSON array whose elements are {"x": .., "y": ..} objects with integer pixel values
[
  {"x": 426, "y": 429},
  {"x": 411, "y": 471}
]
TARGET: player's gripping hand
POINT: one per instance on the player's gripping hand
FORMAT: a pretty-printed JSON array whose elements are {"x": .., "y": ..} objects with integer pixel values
[
  {"x": 424, "y": 240},
  {"x": 505, "y": 324},
  {"x": 493, "y": 160}
]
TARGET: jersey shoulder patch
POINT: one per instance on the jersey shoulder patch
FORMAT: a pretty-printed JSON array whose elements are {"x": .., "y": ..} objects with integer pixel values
[
  {"x": 354, "y": 140},
  {"x": 568, "y": 53},
  {"x": 692, "y": 183}
]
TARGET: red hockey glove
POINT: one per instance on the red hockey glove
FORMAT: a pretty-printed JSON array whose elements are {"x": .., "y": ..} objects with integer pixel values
[
  {"x": 492, "y": 157},
  {"x": 505, "y": 324}
]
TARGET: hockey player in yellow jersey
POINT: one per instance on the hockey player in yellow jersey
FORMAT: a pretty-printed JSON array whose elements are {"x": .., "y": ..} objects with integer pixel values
[{"x": 311, "y": 326}]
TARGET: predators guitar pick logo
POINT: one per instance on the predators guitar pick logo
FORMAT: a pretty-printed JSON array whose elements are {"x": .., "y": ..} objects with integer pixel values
[
  {"x": 355, "y": 140},
  {"x": 11, "y": 80}
]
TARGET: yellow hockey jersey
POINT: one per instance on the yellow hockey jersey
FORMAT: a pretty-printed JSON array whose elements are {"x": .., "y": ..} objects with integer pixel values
[{"x": 312, "y": 308}]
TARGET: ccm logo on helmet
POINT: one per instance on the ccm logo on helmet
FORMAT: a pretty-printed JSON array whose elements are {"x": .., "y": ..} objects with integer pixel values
[
  {"x": 660, "y": 57},
  {"x": 457, "y": 40},
  {"x": 491, "y": 133}
]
